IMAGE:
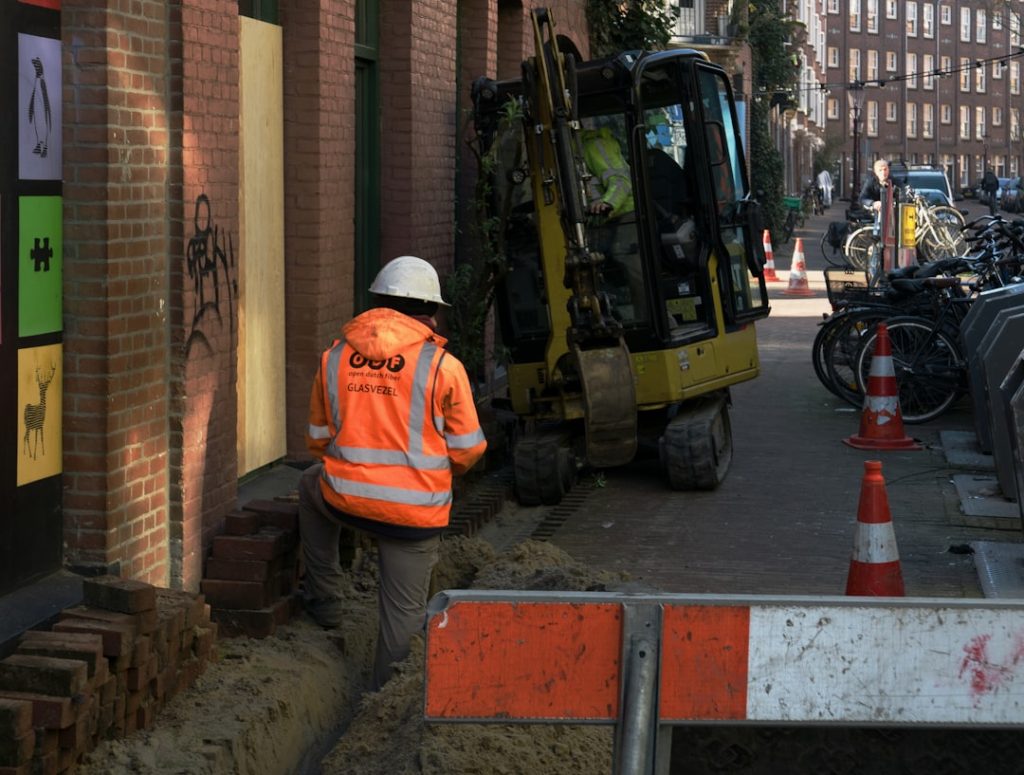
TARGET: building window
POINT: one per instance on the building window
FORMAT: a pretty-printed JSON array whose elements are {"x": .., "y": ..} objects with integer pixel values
[
  {"x": 946, "y": 14},
  {"x": 928, "y": 20},
  {"x": 854, "y": 64},
  {"x": 890, "y": 112},
  {"x": 945, "y": 65},
  {"x": 1014, "y": 124},
  {"x": 832, "y": 106},
  {"x": 872, "y": 118},
  {"x": 833, "y": 6},
  {"x": 997, "y": 116},
  {"x": 965, "y": 25},
  {"x": 928, "y": 71},
  {"x": 854, "y": 15},
  {"x": 833, "y": 56},
  {"x": 928, "y": 120},
  {"x": 1014, "y": 29},
  {"x": 965, "y": 122},
  {"x": 912, "y": 18},
  {"x": 980, "y": 25},
  {"x": 911, "y": 119},
  {"x": 911, "y": 71},
  {"x": 1015, "y": 77},
  {"x": 965, "y": 74},
  {"x": 979, "y": 123},
  {"x": 946, "y": 113},
  {"x": 997, "y": 70},
  {"x": 964, "y": 163},
  {"x": 890, "y": 61},
  {"x": 997, "y": 20},
  {"x": 979, "y": 78},
  {"x": 891, "y": 7},
  {"x": 872, "y": 73},
  {"x": 872, "y": 20}
]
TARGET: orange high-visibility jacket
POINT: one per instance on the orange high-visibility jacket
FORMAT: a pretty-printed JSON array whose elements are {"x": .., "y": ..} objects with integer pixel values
[{"x": 392, "y": 417}]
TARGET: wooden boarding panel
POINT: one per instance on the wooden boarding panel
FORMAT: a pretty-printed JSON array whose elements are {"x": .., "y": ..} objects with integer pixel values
[{"x": 537, "y": 661}]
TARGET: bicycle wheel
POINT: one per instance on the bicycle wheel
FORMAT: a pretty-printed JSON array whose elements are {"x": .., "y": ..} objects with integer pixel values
[
  {"x": 839, "y": 352},
  {"x": 928, "y": 365},
  {"x": 858, "y": 245},
  {"x": 831, "y": 255},
  {"x": 943, "y": 237},
  {"x": 787, "y": 226}
]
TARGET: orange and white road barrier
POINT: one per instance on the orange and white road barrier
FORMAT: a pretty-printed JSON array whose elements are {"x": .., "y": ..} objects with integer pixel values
[
  {"x": 769, "y": 263},
  {"x": 875, "y": 564},
  {"x": 881, "y": 421},
  {"x": 798, "y": 272},
  {"x": 503, "y": 656}
]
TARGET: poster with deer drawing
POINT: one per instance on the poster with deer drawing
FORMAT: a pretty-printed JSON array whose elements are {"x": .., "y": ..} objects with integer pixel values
[{"x": 40, "y": 399}]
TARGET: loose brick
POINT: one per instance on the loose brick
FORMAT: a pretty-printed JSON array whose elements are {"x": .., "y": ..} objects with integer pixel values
[
  {"x": 241, "y": 570},
  {"x": 87, "y": 647},
  {"x": 236, "y": 594},
  {"x": 190, "y": 605},
  {"x": 74, "y": 735},
  {"x": 144, "y": 622},
  {"x": 47, "y": 740},
  {"x": 48, "y": 711},
  {"x": 21, "y": 769},
  {"x": 15, "y": 717},
  {"x": 15, "y": 751},
  {"x": 203, "y": 641},
  {"x": 43, "y": 675},
  {"x": 275, "y": 513},
  {"x": 264, "y": 545},
  {"x": 45, "y": 764},
  {"x": 260, "y": 623},
  {"x": 241, "y": 523},
  {"x": 117, "y": 594},
  {"x": 117, "y": 638},
  {"x": 143, "y": 651}
]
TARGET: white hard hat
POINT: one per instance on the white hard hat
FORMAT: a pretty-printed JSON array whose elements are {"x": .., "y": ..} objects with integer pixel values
[{"x": 408, "y": 277}]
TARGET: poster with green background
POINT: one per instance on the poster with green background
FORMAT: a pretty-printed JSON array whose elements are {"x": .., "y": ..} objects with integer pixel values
[{"x": 40, "y": 265}]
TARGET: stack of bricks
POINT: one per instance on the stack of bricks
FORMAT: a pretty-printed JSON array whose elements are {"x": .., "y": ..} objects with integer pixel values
[
  {"x": 253, "y": 569},
  {"x": 104, "y": 670}
]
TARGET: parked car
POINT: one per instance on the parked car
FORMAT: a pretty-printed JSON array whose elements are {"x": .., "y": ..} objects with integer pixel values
[
  {"x": 934, "y": 197},
  {"x": 1010, "y": 196},
  {"x": 921, "y": 178}
]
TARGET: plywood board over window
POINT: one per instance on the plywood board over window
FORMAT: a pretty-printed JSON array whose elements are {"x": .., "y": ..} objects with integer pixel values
[{"x": 261, "y": 357}]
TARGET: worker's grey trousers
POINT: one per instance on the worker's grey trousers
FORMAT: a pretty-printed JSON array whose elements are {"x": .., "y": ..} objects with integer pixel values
[{"x": 405, "y": 568}]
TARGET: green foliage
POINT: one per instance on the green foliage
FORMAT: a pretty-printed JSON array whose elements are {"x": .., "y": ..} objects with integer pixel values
[
  {"x": 471, "y": 286},
  {"x": 772, "y": 35},
  {"x": 629, "y": 25}
]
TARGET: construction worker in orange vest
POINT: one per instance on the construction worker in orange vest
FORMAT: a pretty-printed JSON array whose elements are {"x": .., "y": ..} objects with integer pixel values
[{"x": 391, "y": 419}]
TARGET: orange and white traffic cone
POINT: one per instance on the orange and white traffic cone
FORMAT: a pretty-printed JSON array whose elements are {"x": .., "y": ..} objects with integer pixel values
[
  {"x": 769, "y": 264},
  {"x": 798, "y": 272},
  {"x": 875, "y": 563},
  {"x": 881, "y": 422}
]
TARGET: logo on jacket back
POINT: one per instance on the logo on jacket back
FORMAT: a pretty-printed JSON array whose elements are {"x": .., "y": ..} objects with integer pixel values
[{"x": 394, "y": 364}]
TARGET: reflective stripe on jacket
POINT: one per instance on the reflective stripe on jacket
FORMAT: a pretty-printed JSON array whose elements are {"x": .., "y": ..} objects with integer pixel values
[
  {"x": 603, "y": 156},
  {"x": 392, "y": 417}
]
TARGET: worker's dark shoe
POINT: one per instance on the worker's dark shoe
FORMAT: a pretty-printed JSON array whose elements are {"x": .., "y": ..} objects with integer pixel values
[{"x": 329, "y": 614}]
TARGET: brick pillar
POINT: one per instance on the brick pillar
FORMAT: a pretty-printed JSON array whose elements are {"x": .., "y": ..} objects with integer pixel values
[
  {"x": 319, "y": 133},
  {"x": 418, "y": 77},
  {"x": 115, "y": 287},
  {"x": 203, "y": 263}
]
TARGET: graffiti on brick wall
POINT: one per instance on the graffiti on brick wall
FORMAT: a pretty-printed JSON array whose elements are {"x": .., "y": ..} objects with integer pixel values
[{"x": 210, "y": 260}]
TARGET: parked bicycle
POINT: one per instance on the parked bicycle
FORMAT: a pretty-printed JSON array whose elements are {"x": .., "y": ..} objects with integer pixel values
[{"x": 795, "y": 217}]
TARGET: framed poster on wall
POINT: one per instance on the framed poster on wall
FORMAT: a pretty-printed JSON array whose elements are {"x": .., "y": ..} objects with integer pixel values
[
  {"x": 39, "y": 111},
  {"x": 40, "y": 265}
]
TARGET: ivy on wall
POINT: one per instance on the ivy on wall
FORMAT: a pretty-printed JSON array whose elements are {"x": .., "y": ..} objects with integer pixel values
[{"x": 629, "y": 25}]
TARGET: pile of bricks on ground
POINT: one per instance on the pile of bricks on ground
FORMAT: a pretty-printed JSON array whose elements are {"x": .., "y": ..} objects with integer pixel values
[
  {"x": 253, "y": 569},
  {"x": 104, "y": 670}
]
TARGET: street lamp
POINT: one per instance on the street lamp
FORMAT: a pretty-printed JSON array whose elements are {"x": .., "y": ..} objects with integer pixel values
[{"x": 855, "y": 97}]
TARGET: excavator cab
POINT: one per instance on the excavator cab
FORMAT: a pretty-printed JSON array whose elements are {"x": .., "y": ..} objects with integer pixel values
[{"x": 624, "y": 329}]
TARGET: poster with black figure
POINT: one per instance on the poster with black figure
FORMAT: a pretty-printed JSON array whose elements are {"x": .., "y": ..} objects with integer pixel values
[{"x": 39, "y": 108}]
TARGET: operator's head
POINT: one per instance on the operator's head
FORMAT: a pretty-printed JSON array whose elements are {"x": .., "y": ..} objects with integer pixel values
[
  {"x": 881, "y": 169},
  {"x": 410, "y": 285}
]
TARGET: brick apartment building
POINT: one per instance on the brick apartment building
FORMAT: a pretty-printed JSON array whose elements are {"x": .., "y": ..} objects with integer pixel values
[
  {"x": 934, "y": 83},
  {"x": 194, "y": 196}
]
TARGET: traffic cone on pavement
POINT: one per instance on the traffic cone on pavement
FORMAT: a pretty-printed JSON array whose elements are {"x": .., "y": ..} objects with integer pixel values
[
  {"x": 798, "y": 272},
  {"x": 769, "y": 264},
  {"x": 875, "y": 563},
  {"x": 881, "y": 422}
]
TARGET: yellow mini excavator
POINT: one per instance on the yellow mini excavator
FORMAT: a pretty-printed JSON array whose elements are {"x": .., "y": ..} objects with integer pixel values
[{"x": 627, "y": 322}]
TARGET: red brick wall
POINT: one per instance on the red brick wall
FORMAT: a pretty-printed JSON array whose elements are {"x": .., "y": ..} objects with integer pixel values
[
  {"x": 203, "y": 467},
  {"x": 418, "y": 125},
  {"x": 115, "y": 281},
  {"x": 319, "y": 132}
]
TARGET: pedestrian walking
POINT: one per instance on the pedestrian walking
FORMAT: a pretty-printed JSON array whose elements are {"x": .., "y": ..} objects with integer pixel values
[{"x": 391, "y": 420}]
